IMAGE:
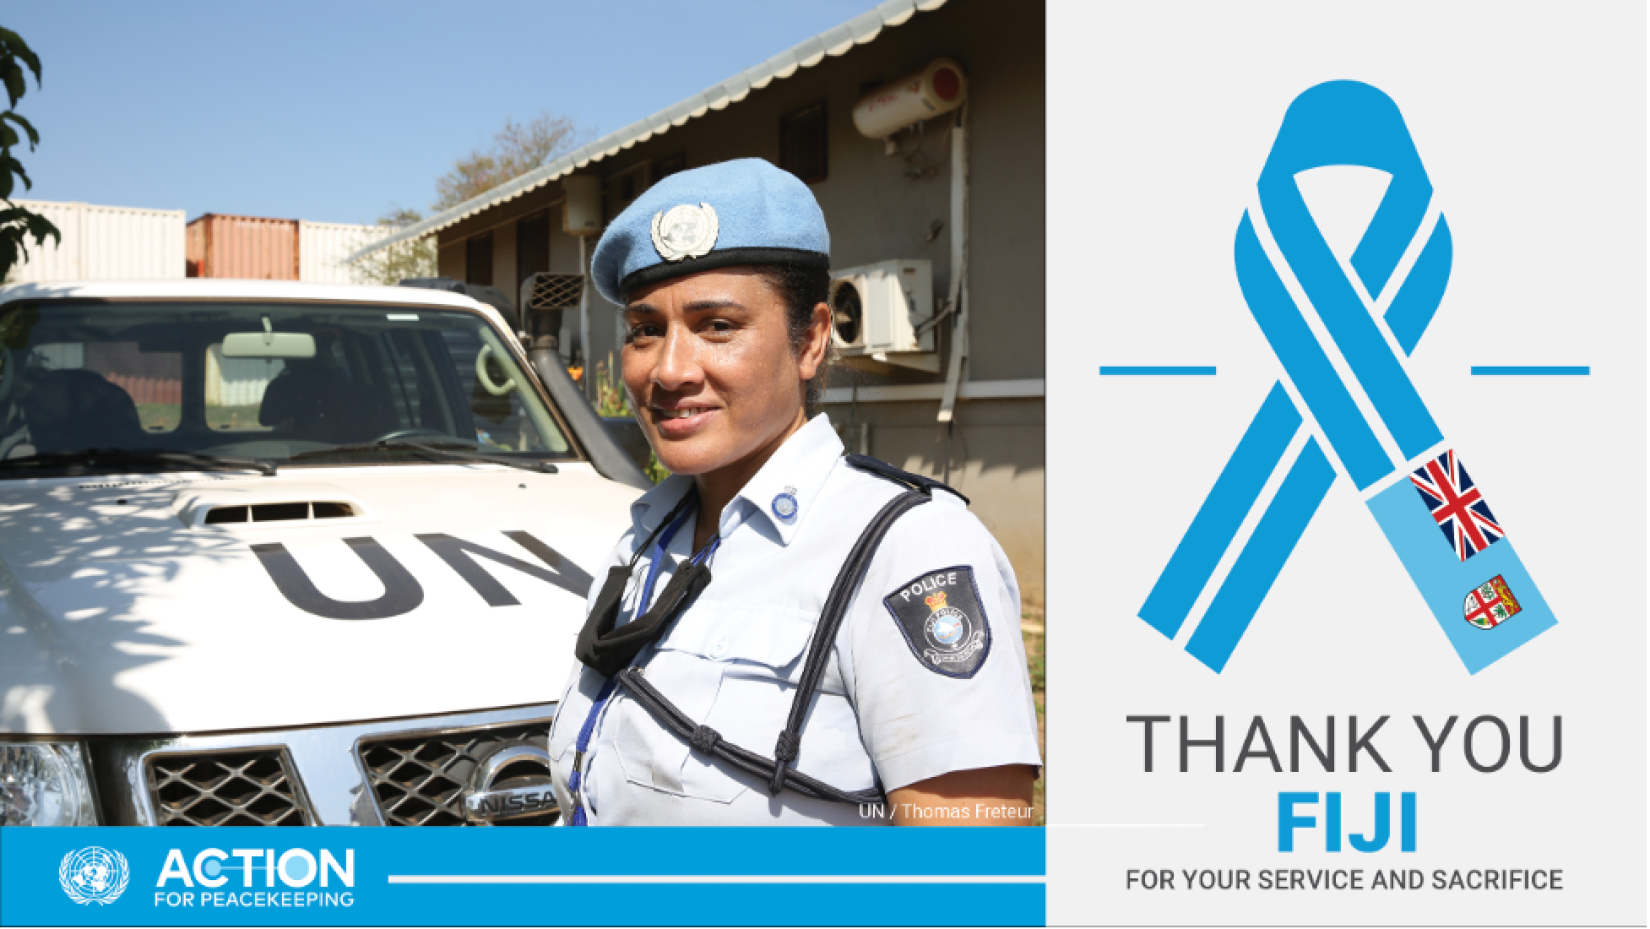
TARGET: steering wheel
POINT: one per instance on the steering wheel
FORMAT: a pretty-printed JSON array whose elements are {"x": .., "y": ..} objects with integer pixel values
[{"x": 409, "y": 433}]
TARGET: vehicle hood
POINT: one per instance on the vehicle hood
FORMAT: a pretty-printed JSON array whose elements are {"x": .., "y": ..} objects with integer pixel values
[{"x": 122, "y": 610}]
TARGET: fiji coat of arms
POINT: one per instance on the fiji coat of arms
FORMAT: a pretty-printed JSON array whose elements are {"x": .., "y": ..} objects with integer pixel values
[{"x": 1490, "y": 604}]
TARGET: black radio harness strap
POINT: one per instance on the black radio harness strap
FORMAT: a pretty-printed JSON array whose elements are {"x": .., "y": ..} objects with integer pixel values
[{"x": 777, "y": 770}]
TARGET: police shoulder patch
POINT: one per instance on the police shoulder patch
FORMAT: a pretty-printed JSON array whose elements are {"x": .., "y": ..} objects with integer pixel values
[{"x": 942, "y": 619}]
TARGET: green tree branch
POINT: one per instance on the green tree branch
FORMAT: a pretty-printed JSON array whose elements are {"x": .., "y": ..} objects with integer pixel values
[{"x": 18, "y": 225}]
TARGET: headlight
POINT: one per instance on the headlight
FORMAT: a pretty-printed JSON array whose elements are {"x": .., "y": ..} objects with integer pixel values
[{"x": 44, "y": 784}]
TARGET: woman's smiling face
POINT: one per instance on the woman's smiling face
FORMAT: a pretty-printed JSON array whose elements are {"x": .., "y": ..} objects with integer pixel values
[{"x": 711, "y": 372}]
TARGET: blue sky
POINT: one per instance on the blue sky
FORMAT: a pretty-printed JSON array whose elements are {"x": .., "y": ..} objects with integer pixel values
[{"x": 333, "y": 111}]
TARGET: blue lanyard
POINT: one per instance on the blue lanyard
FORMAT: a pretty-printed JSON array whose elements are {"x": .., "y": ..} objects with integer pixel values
[{"x": 589, "y": 728}]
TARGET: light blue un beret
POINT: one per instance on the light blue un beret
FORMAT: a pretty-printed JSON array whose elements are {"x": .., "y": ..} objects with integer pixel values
[{"x": 744, "y": 212}]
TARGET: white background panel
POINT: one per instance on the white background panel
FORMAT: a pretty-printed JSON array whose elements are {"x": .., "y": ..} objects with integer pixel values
[{"x": 1530, "y": 121}]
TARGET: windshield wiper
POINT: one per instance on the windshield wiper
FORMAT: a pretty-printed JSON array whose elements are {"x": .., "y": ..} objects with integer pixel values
[
  {"x": 437, "y": 449},
  {"x": 120, "y": 457}
]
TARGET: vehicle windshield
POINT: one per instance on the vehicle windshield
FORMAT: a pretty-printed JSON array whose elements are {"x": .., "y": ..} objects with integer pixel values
[{"x": 264, "y": 380}]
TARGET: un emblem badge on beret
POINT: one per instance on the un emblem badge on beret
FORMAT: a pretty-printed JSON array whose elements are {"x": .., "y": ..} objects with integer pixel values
[
  {"x": 684, "y": 231},
  {"x": 943, "y": 621}
]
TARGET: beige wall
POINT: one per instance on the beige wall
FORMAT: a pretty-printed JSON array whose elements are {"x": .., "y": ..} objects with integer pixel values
[
  {"x": 504, "y": 259},
  {"x": 449, "y": 260},
  {"x": 996, "y": 460}
]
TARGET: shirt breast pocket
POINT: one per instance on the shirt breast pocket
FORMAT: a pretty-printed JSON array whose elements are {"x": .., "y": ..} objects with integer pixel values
[{"x": 733, "y": 669}]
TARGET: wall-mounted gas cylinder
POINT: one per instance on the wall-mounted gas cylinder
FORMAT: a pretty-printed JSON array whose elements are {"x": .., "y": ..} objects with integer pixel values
[{"x": 939, "y": 88}]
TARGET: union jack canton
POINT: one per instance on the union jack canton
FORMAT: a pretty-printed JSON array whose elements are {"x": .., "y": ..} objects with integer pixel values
[{"x": 1460, "y": 510}]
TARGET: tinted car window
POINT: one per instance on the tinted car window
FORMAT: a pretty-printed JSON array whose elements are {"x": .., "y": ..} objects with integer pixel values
[{"x": 261, "y": 380}]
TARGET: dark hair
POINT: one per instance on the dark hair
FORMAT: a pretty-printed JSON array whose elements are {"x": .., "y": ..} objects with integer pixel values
[{"x": 801, "y": 288}]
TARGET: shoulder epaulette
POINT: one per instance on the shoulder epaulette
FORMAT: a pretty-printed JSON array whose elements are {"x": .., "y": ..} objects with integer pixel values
[{"x": 915, "y": 481}]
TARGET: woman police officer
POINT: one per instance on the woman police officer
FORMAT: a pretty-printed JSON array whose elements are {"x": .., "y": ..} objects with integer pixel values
[{"x": 859, "y": 613}]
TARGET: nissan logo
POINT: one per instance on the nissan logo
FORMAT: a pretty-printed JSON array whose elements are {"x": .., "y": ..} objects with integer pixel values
[{"x": 511, "y": 785}]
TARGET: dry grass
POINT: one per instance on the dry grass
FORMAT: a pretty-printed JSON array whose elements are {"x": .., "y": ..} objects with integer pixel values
[{"x": 1032, "y": 633}]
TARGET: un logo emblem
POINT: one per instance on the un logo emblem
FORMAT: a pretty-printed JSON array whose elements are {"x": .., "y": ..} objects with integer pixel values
[{"x": 93, "y": 875}]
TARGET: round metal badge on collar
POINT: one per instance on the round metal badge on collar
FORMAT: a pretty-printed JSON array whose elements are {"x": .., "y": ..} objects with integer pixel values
[
  {"x": 784, "y": 504},
  {"x": 685, "y": 231}
]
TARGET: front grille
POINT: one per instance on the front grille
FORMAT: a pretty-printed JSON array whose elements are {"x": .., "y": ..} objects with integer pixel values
[
  {"x": 419, "y": 780},
  {"x": 239, "y": 788}
]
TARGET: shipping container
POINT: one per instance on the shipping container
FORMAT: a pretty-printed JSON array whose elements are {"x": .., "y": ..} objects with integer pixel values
[
  {"x": 104, "y": 243},
  {"x": 248, "y": 247},
  {"x": 322, "y": 248}
]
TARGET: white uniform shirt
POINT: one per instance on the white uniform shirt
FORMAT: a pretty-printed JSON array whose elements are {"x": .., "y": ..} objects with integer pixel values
[{"x": 883, "y": 714}]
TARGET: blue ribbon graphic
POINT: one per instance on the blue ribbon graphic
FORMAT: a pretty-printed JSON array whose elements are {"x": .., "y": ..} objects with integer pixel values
[{"x": 1337, "y": 123}]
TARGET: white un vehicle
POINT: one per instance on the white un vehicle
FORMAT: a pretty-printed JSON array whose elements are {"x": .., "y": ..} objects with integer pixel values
[{"x": 281, "y": 554}]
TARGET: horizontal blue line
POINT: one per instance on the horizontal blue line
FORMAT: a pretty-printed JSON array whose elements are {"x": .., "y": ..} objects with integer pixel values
[
  {"x": 1106, "y": 370},
  {"x": 1548, "y": 370}
]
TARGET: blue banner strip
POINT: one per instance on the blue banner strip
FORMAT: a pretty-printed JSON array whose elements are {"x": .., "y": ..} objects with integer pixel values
[
  {"x": 526, "y": 876},
  {"x": 1159, "y": 370},
  {"x": 1537, "y": 370}
]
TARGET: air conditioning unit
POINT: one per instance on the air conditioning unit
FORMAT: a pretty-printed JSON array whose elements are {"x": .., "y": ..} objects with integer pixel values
[{"x": 878, "y": 311}]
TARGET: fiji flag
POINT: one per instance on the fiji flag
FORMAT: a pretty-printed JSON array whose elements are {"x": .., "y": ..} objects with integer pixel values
[
  {"x": 1461, "y": 511},
  {"x": 1452, "y": 546}
]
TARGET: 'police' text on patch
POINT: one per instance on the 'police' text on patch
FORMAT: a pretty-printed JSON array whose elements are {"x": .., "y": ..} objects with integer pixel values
[{"x": 941, "y": 617}]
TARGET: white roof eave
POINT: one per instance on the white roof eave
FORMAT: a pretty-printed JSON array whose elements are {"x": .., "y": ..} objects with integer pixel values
[{"x": 837, "y": 40}]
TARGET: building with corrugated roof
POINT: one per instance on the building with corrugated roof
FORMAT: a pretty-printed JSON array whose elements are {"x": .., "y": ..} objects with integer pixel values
[{"x": 969, "y": 409}]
